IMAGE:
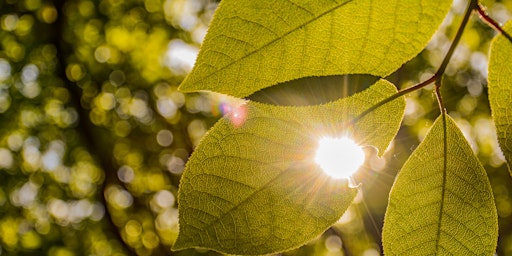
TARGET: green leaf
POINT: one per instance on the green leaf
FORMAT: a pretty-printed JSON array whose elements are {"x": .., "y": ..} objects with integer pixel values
[
  {"x": 252, "y": 45},
  {"x": 441, "y": 202},
  {"x": 500, "y": 90},
  {"x": 253, "y": 187}
]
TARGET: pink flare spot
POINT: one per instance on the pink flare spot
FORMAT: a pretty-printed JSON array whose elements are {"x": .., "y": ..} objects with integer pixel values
[
  {"x": 238, "y": 115},
  {"x": 225, "y": 108}
]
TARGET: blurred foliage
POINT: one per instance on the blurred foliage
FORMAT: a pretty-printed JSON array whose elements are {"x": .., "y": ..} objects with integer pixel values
[{"x": 94, "y": 134}]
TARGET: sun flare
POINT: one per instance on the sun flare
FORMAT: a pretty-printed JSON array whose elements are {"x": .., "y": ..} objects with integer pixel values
[{"x": 339, "y": 157}]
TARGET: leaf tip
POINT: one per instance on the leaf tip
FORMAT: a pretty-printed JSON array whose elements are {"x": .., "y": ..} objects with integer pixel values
[
  {"x": 190, "y": 84},
  {"x": 180, "y": 244},
  {"x": 185, "y": 87}
]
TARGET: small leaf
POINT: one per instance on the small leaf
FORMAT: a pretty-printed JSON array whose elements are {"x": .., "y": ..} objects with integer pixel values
[
  {"x": 500, "y": 90},
  {"x": 441, "y": 202},
  {"x": 252, "y": 45},
  {"x": 252, "y": 187}
]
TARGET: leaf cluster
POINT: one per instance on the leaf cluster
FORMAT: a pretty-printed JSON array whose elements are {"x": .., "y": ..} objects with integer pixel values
[{"x": 252, "y": 179}]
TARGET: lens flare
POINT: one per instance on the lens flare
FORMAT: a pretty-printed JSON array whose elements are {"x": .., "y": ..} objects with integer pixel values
[
  {"x": 339, "y": 157},
  {"x": 237, "y": 115},
  {"x": 233, "y": 108}
]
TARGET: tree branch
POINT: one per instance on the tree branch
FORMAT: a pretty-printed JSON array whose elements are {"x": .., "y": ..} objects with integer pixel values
[
  {"x": 436, "y": 78},
  {"x": 491, "y": 22}
]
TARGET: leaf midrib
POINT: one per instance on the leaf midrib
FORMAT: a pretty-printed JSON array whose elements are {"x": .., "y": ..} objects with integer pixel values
[
  {"x": 443, "y": 190},
  {"x": 250, "y": 196},
  {"x": 276, "y": 39}
]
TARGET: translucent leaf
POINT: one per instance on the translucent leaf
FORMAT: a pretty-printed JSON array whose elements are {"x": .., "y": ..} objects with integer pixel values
[
  {"x": 252, "y": 45},
  {"x": 441, "y": 202},
  {"x": 500, "y": 90},
  {"x": 252, "y": 187}
]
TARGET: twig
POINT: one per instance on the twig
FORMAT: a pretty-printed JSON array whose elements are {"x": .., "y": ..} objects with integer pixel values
[
  {"x": 491, "y": 22},
  {"x": 436, "y": 78}
]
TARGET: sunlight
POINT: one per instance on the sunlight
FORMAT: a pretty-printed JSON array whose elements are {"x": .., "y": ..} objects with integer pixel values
[{"x": 339, "y": 157}]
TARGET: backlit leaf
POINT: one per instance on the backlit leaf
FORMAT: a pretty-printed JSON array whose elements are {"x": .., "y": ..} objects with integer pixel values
[
  {"x": 500, "y": 90},
  {"x": 252, "y": 187},
  {"x": 252, "y": 45},
  {"x": 441, "y": 202}
]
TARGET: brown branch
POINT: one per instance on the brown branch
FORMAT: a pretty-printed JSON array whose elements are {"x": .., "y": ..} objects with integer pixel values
[
  {"x": 436, "y": 78},
  {"x": 491, "y": 22}
]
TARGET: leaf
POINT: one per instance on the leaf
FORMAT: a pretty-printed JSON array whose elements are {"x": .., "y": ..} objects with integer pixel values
[
  {"x": 252, "y": 45},
  {"x": 500, "y": 90},
  {"x": 441, "y": 202},
  {"x": 253, "y": 187}
]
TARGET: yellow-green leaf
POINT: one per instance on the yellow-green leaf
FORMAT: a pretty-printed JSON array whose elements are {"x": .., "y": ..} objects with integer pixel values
[
  {"x": 441, "y": 202},
  {"x": 500, "y": 90},
  {"x": 252, "y": 45},
  {"x": 252, "y": 187}
]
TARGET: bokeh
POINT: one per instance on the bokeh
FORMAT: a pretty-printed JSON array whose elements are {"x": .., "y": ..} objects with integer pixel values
[{"x": 94, "y": 134}]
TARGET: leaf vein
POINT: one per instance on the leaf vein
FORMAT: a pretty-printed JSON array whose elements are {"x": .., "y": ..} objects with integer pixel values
[{"x": 257, "y": 49}]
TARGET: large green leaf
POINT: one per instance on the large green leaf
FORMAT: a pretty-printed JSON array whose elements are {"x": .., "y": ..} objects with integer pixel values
[
  {"x": 252, "y": 45},
  {"x": 500, "y": 90},
  {"x": 252, "y": 187},
  {"x": 441, "y": 202}
]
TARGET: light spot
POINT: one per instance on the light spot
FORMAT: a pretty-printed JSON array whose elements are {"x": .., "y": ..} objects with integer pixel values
[
  {"x": 333, "y": 243},
  {"x": 180, "y": 57},
  {"x": 58, "y": 208},
  {"x": 5, "y": 69},
  {"x": 126, "y": 174},
  {"x": 7, "y": 158},
  {"x": 175, "y": 165},
  {"x": 339, "y": 157},
  {"x": 164, "y": 138},
  {"x": 196, "y": 129},
  {"x": 48, "y": 14},
  {"x": 9, "y": 22},
  {"x": 51, "y": 160},
  {"x": 29, "y": 73},
  {"x": 164, "y": 198},
  {"x": 26, "y": 195},
  {"x": 371, "y": 252},
  {"x": 106, "y": 101},
  {"x": 102, "y": 54},
  {"x": 119, "y": 197}
]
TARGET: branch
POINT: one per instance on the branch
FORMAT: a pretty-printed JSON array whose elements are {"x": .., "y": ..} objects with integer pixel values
[
  {"x": 436, "y": 78},
  {"x": 491, "y": 22},
  {"x": 471, "y": 6}
]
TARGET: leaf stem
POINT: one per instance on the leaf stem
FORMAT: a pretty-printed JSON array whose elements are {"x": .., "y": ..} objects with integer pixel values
[
  {"x": 436, "y": 78},
  {"x": 484, "y": 16},
  {"x": 440, "y": 98}
]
